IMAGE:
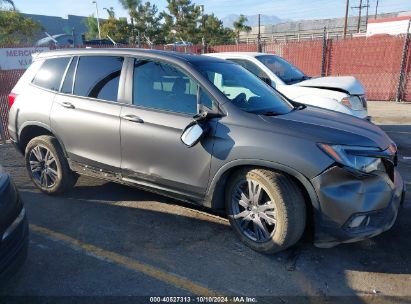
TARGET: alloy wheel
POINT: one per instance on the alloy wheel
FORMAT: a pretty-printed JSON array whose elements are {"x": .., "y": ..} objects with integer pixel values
[
  {"x": 253, "y": 210},
  {"x": 43, "y": 166}
]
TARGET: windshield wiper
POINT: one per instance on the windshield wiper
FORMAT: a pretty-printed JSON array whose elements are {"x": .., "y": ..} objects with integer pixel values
[{"x": 299, "y": 106}]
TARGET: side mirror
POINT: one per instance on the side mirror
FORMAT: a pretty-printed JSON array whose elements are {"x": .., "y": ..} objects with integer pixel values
[
  {"x": 267, "y": 80},
  {"x": 193, "y": 133}
]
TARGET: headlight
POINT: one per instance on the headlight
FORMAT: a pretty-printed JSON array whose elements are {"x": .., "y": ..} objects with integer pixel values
[
  {"x": 354, "y": 157},
  {"x": 353, "y": 103}
]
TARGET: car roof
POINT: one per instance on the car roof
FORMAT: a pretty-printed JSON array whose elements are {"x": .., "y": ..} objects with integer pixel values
[
  {"x": 237, "y": 54},
  {"x": 182, "y": 57}
]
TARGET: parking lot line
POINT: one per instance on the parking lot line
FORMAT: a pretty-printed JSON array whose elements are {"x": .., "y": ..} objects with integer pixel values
[{"x": 126, "y": 262}]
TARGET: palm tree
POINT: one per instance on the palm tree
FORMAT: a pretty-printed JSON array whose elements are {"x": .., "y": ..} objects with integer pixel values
[
  {"x": 241, "y": 26},
  {"x": 10, "y": 2},
  {"x": 92, "y": 27},
  {"x": 110, "y": 12},
  {"x": 131, "y": 7}
]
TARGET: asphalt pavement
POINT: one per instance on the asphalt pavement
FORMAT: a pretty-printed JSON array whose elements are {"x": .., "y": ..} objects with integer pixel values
[{"x": 106, "y": 239}]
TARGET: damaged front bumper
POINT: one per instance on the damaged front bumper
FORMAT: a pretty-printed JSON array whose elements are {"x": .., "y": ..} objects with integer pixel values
[{"x": 355, "y": 207}]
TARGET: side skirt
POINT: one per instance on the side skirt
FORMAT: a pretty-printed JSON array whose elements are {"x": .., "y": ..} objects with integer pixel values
[{"x": 111, "y": 176}]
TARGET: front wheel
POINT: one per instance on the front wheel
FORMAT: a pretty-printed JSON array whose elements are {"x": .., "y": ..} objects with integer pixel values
[
  {"x": 266, "y": 209},
  {"x": 47, "y": 166}
]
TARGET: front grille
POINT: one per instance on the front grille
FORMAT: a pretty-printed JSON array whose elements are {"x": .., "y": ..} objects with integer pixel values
[{"x": 389, "y": 168}]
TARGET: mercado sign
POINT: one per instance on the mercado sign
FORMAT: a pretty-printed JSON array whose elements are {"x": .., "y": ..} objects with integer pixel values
[{"x": 18, "y": 58}]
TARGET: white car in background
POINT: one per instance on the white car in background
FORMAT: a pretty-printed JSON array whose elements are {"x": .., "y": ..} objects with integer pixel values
[{"x": 342, "y": 94}]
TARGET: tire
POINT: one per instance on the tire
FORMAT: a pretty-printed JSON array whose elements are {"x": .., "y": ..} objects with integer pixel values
[
  {"x": 278, "y": 207},
  {"x": 47, "y": 166}
]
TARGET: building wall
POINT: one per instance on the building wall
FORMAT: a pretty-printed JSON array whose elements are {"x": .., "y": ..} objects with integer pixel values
[
  {"x": 309, "y": 28},
  {"x": 57, "y": 25}
]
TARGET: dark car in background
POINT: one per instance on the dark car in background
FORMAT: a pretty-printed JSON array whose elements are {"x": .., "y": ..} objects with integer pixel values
[
  {"x": 207, "y": 131},
  {"x": 13, "y": 228},
  {"x": 100, "y": 42}
]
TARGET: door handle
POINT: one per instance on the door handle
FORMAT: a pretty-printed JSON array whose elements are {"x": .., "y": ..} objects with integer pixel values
[
  {"x": 68, "y": 105},
  {"x": 133, "y": 118}
]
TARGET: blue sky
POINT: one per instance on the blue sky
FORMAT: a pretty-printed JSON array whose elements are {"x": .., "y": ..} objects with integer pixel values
[{"x": 285, "y": 9}]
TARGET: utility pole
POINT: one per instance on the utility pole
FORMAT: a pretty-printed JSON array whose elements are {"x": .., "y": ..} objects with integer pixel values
[
  {"x": 376, "y": 10},
  {"x": 360, "y": 7},
  {"x": 73, "y": 36},
  {"x": 203, "y": 42},
  {"x": 347, "y": 4},
  {"x": 359, "y": 17},
  {"x": 366, "y": 18},
  {"x": 259, "y": 33},
  {"x": 98, "y": 21}
]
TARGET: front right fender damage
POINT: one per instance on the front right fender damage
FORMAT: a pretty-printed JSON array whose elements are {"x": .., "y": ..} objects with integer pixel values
[{"x": 355, "y": 207}]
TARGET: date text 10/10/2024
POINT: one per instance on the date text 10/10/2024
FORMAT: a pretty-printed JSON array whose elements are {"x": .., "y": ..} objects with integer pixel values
[{"x": 199, "y": 299}]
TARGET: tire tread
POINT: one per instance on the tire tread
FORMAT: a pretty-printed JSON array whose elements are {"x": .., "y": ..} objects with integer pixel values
[
  {"x": 68, "y": 177},
  {"x": 291, "y": 202}
]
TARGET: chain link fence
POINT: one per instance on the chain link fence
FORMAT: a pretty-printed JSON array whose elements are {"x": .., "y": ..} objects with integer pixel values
[
  {"x": 382, "y": 64},
  {"x": 306, "y": 55},
  {"x": 8, "y": 79},
  {"x": 375, "y": 62},
  {"x": 407, "y": 72}
]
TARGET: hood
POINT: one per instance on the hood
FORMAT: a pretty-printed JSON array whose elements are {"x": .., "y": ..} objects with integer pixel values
[
  {"x": 347, "y": 84},
  {"x": 325, "y": 126}
]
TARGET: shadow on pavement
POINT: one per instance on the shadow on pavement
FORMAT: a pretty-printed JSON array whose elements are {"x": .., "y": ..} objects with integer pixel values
[
  {"x": 194, "y": 243},
  {"x": 202, "y": 247}
]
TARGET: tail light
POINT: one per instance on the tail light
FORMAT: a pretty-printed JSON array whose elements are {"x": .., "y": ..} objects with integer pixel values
[{"x": 12, "y": 98}]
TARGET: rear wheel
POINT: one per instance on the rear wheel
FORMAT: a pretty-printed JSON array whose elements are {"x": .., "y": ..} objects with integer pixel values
[
  {"x": 266, "y": 209},
  {"x": 47, "y": 166}
]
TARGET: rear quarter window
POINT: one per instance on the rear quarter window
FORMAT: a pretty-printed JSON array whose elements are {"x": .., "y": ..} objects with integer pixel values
[
  {"x": 51, "y": 72},
  {"x": 28, "y": 76}
]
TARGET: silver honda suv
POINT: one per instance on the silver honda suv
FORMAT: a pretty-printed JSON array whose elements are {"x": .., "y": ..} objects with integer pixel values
[{"x": 209, "y": 132}]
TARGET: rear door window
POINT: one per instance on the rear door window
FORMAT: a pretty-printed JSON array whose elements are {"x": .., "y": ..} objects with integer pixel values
[
  {"x": 98, "y": 77},
  {"x": 51, "y": 73}
]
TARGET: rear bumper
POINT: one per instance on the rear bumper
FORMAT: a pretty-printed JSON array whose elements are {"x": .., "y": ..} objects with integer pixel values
[{"x": 355, "y": 208}]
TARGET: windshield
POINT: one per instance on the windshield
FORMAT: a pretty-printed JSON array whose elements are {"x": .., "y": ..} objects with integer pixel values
[
  {"x": 244, "y": 89},
  {"x": 284, "y": 70}
]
